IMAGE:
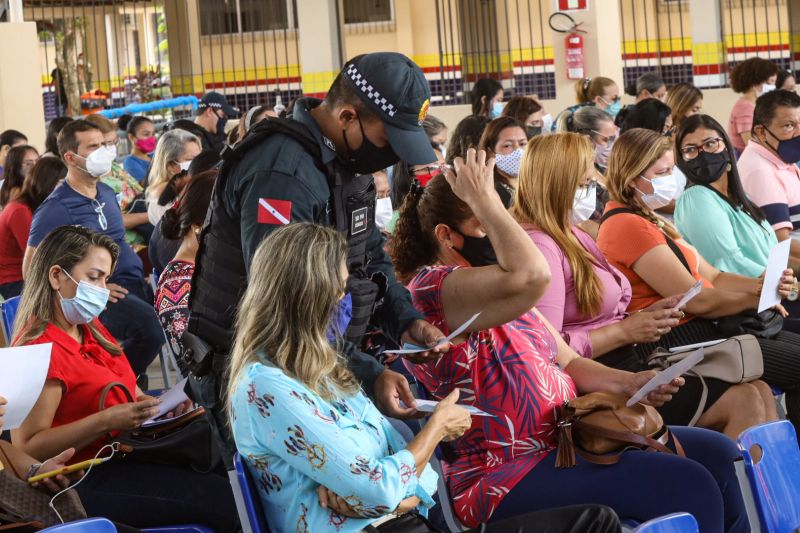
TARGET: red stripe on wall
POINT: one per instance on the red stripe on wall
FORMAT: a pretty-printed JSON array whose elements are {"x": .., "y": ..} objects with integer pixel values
[{"x": 700, "y": 70}]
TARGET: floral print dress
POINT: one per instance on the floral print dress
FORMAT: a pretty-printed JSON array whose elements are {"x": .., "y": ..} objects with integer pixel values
[
  {"x": 511, "y": 373},
  {"x": 292, "y": 441}
]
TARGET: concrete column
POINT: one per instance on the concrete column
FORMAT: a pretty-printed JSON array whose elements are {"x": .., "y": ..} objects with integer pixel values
[
  {"x": 709, "y": 60},
  {"x": 20, "y": 83},
  {"x": 183, "y": 36},
  {"x": 602, "y": 49},
  {"x": 320, "y": 54}
]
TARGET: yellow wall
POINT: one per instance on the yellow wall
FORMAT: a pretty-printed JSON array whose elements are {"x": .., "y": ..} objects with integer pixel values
[{"x": 20, "y": 103}]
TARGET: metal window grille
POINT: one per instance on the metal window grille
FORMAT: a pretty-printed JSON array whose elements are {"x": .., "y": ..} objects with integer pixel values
[
  {"x": 756, "y": 28},
  {"x": 656, "y": 37}
]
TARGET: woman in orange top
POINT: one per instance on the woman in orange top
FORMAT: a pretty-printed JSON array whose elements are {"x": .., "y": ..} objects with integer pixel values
[{"x": 659, "y": 263}]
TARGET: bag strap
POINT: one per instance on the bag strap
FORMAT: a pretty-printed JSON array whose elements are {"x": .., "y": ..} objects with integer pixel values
[
  {"x": 672, "y": 244},
  {"x": 703, "y": 399},
  {"x": 108, "y": 388}
]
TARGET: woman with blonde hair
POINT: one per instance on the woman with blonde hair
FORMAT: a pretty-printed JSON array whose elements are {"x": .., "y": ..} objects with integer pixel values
[
  {"x": 685, "y": 100},
  {"x": 174, "y": 153},
  {"x": 659, "y": 263},
  {"x": 587, "y": 297}
]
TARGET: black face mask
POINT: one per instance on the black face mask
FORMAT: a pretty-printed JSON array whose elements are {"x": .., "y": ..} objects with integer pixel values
[
  {"x": 368, "y": 158},
  {"x": 478, "y": 251},
  {"x": 533, "y": 131},
  {"x": 707, "y": 168}
]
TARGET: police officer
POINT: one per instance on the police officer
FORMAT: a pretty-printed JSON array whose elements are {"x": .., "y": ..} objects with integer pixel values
[{"x": 316, "y": 167}]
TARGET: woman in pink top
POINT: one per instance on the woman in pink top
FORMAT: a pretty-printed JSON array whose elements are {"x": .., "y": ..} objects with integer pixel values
[
  {"x": 587, "y": 297},
  {"x": 15, "y": 221},
  {"x": 464, "y": 254},
  {"x": 751, "y": 79}
]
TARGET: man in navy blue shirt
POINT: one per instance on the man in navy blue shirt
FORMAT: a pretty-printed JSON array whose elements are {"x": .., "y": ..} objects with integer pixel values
[{"x": 82, "y": 200}]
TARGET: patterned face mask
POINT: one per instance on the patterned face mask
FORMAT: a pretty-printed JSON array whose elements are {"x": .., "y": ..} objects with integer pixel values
[{"x": 509, "y": 163}]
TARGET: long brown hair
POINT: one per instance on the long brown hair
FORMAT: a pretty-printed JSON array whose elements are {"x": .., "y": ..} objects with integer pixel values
[
  {"x": 545, "y": 196},
  {"x": 65, "y": 246},
  {"x": 413, "y": 243},
  {"x": 635, "y": 151},
  {"x": 587, "y": 89},
  {"x": 294, "y": 286},
  {"x": 681, "y": 98}
]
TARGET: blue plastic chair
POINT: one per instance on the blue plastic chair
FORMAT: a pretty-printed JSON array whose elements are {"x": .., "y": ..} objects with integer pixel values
[
  {"x": 90, "y": 525},
  {"x": 191, "y": 528},
  {"x": 671, "y": 523},
  {"x": 775, "y": 477},
  {"x": 8, "y": 310},
  {"x": 254, "y": 517}
]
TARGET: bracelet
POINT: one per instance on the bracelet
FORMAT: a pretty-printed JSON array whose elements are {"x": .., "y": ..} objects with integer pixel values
[{"x": 32, "y": 471}]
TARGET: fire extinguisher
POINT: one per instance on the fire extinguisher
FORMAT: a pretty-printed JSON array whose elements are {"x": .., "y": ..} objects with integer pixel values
[
  {"x": 564, "y": 23},
  {"x": 575, "y": 66}
]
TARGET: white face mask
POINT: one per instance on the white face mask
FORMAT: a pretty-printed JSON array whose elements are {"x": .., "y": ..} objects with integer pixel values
[
  {"x": 547, "y": 123},
  {"x": 584, "y": 204},
  {"x": 766, "y": 87},
  {"x": 99, "y": 162},
  {"x": 665, "y": 188},
  {"x": 185, "y": 165},
  {"x": 509, "y": 163},
  {"x": 383, "y": 212}
]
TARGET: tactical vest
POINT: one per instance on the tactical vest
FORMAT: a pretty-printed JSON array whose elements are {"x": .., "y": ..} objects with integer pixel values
[{"x": 220, "y": 278}]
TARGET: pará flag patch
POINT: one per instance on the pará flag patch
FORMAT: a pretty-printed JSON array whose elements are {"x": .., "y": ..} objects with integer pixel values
[{"x": 276, "y": 212}]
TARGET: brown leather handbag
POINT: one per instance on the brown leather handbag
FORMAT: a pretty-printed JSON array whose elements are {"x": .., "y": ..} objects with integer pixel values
[{"x": 597, "y": 424}]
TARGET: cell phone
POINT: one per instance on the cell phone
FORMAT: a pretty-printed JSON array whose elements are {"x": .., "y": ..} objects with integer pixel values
[{"x": 69, "y": 469}]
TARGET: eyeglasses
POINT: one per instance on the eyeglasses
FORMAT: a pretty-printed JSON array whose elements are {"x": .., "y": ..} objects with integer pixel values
[
  {"x": 101, "y": 217},
  {"x": 711, "y": 146},
  {"x": 604, "y": 138}
]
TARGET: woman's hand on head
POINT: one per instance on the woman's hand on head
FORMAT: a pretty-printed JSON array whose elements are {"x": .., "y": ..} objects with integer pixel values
[{"x": 473, "y": 179}]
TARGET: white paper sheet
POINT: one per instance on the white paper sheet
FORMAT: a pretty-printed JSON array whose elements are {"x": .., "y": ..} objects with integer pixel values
[
  {"x": 691, "y": 293},
  {"x": 776, "y": 264},
  {"x": 428, "y": 406},
  {"x": 171, "y": 399},
  {"x": 666, "y": 376},
  {"x": 411, "y": 348},
  {"x": 24, "y": 369}
]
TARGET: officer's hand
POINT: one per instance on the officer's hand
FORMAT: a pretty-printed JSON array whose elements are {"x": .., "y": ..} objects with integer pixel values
[
  {"x": 425, "y": 334},
  {"x": 390, "y": 388}
]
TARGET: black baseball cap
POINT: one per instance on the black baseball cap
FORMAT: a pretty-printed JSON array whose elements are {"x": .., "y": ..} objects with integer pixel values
[
  {"x": 396, "y": 90},
  {"x": 216, "y": 100}
]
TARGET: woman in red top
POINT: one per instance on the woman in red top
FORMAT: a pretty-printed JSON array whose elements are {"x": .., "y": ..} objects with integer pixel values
[
  {"x": 182, "y": 222},
  {"x": 634, "y": 240},
  {"x": 64, "y": 293},
  {"x": 15, "y": 221},
  {"x": 513, "y": 365}
]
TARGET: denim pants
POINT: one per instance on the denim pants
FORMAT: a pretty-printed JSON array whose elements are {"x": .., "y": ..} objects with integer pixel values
[{"x": 134, "y": 323}]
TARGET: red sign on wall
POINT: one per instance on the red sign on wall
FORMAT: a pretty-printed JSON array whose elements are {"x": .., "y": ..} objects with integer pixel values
[{"x": 572, "y": 5}]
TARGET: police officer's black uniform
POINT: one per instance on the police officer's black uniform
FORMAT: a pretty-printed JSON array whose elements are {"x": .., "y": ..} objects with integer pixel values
[{"x": 288, "y": 171}]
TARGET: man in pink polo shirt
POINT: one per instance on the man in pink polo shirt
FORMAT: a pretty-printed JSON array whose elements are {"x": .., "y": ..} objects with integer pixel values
[{"x": 767, "y": 166}]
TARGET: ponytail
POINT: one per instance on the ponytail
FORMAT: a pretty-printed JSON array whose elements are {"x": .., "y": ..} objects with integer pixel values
[{"x": 413, "y": 244}]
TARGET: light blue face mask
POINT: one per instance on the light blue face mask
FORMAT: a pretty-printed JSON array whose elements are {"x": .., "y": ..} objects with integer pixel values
[
  {"x": 614, "y": 108},
  {"x": 87, "y": 304},
  {"x": 497, "y": 109}
]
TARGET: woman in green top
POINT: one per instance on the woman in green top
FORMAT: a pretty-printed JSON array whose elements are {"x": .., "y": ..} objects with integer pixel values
[{"x": 714, "y": 213}]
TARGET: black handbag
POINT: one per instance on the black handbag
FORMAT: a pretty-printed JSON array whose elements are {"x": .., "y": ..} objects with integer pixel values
[
  {"x": 407, "y": 523},
  {"x": 766, "y": 324},
  {"x": 186, "y": 440}
]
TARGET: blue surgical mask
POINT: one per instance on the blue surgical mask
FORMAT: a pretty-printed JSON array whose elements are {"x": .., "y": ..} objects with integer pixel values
[
  {"x": 497, "y": 109},
  {"x": 87, "y": 304},
  {"x": 340, "y": 318},
  {"x": 614, "y": 108}
]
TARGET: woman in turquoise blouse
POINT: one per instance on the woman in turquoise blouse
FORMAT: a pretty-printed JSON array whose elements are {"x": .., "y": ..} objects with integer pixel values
[
  {"x": 714, "y": 213},
  {"x": 323, "y": 457}
]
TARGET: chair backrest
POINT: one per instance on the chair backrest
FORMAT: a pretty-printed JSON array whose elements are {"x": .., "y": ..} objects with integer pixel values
[
  {"x": 90, "y": 525},
  {"x": 671, "y": 523},
  {"x": 8, "y": 309},
  {"x": 256, "y": 516},
  {"x": 775, "y": 476}
]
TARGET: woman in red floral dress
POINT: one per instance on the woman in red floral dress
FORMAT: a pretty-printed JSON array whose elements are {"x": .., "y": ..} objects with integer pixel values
[{"x": 461, "y": 253}]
